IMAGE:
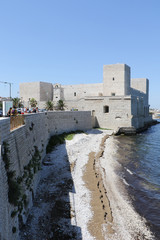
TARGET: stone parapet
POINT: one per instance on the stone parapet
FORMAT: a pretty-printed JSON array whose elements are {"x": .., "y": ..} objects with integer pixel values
[{"x": 23, "y": 143}]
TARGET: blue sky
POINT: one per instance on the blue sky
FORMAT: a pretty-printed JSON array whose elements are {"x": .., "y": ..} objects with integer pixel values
[{"x": 69, "y": 41}]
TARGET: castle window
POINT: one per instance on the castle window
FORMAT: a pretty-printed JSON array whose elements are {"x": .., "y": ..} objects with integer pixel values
[
  {"x": 93, "y": 112},
  {"x": 105, "y": 109},
  {"x": 74, "y": 93},
  {"x": 113, "y": 94},
  {"x": 113, "y": 78}
]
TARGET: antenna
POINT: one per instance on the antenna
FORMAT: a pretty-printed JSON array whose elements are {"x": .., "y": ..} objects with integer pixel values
[{"x": 9, "y": 87}]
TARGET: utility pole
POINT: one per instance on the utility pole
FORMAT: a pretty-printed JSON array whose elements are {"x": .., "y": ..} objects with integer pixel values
[{"x": 9, "y": 87}]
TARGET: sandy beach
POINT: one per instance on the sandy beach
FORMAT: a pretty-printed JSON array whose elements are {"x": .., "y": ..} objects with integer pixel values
[{"x": 80, "y": 195}]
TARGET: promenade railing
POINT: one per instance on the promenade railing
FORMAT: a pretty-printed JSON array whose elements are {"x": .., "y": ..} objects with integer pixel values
[{"x": 16, "y": 121}]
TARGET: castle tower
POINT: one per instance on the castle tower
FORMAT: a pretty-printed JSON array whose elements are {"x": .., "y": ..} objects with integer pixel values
[
  {"x": 57, "y": 92},
  {"x": 116, "y": 80},
  {"x": 142, "y": 85}
]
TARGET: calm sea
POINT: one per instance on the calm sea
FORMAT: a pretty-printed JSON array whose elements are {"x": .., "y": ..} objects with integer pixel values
[{"x": 139, "y": 157}]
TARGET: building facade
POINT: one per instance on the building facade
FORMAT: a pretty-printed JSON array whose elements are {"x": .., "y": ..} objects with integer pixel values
[{"x": 118, "y": 102}]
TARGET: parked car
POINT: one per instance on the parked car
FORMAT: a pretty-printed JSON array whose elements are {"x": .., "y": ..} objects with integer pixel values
[
  {"x": 42, "y": 110},
  {"x": 19, "y": 110},
  {"x": 29, "y": 110}
]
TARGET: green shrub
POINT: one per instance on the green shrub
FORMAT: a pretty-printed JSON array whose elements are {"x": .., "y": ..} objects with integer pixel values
[
  {"x": 14, "y": 191},
  {"x": 14, "y": 229},
  {"x": 60, "y": 139},
  {"x": 5, "y": 155},
  {"x": 13, "y": 213}
]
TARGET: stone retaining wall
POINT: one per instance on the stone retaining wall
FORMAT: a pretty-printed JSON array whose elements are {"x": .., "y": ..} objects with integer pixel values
[{"x": 22, "y": 145}]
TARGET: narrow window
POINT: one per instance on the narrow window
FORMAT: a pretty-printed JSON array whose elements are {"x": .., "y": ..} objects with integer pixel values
[
  {"x": 113, "y": 78},
  {"x": 106, "y": 109},
  {"x": 113, "y": 94},
  {"x": 93, "y": 112},
  {"x": 74, "y": 93}
]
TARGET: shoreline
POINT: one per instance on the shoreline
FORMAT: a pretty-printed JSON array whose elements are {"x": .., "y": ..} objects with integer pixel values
[
  {"x": 80, "y": 200},
  {"x": 128, "y": 224}
]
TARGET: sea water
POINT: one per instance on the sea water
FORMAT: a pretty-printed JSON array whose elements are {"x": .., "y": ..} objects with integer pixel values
[{"x": 139, "y": 158}]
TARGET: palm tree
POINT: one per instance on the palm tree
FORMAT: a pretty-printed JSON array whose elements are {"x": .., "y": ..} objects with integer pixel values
[
  {"x": 60, "y": 105},
  {"x": 16, "y": 102},
  {"x": 33, "y": 102},
  {"x": 49, "y": 105}
]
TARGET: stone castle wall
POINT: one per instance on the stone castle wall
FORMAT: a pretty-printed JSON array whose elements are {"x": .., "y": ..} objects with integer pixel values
[
  {"x": 140, "y": 88},
  {"x": 30, "y": 90},
  {"x": 21, "y": 145},
  {"x": 75, "y": 92},
  {"x": 126, "y": 98},
  {"x": 116, "y": 80},
  {"x": 107, "y": 112}
]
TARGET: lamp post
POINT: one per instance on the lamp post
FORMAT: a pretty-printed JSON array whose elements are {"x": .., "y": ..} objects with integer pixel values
[
  {"x": 9, "y": 87},
  {"x": 22, "y": 102},
  {"x": 28, "y": 102}
]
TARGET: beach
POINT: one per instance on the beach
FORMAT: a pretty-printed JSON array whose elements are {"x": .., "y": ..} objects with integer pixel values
[{"x": 80, "y": 196}]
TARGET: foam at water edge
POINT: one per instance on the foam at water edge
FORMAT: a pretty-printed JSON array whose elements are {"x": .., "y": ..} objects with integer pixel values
[
  {"x": 128, "y": 224},
  {"x": 129, "y": 171}
]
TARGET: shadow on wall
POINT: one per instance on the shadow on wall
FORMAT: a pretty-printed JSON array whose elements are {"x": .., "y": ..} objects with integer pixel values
[
  {"x": 95, "y": 122},
  {"x": 52, "y": 212}
]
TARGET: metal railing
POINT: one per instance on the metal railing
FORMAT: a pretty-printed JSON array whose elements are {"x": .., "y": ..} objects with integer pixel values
[{"x": 16, "y": 121}]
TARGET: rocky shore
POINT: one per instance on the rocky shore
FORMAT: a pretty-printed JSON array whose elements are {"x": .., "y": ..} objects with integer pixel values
[{"x": 78, "y": 195}]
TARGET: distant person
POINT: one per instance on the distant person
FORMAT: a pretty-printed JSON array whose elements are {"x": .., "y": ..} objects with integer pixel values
[
  {"x": 14, "y": 111},
  {"x": 9, "y": 112}
]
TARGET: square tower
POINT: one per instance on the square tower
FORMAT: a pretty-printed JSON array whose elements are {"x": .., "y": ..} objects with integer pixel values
[
  {"x": 140, "y": 86},
  {"x": 116, "y": 80},
  {"x": 57, "y": 92}
]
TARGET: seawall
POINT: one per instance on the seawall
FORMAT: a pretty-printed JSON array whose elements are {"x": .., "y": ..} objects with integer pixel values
[{"x": 23, "y": 150}]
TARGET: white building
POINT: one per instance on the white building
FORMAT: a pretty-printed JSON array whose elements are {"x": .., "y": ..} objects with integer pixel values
[{"x": 118, "y": 102}]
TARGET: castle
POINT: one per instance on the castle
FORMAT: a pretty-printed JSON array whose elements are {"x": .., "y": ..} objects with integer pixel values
[{"x": 118, "y": 102}]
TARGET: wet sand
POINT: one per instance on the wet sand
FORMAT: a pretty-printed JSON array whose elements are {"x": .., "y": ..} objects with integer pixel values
[{"x": 102, "y": 214}]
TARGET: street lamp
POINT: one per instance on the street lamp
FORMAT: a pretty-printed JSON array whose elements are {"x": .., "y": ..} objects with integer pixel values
[{"x": 9, "y": 87}]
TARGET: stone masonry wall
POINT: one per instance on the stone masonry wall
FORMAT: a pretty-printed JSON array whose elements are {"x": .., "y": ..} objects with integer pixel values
[
  {"x": 116, "y": 80},
  {"x": 22, "y": 145},
  {"x": 118, "y": 115},
  {"x": 76, "y": 92}
]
